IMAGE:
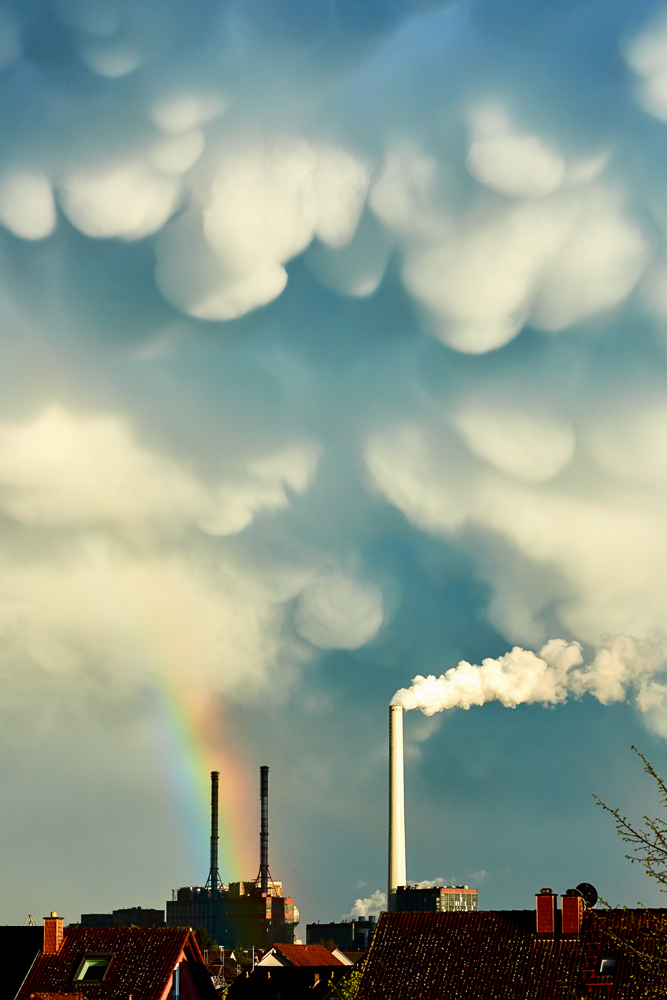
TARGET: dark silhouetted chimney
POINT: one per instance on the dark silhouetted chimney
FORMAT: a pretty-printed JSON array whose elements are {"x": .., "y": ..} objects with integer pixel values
[
  {"x": 214, "y": 875},
  {"x": 264, "y": 829}
]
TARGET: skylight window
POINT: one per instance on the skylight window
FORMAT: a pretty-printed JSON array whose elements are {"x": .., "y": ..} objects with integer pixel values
[
  {"x": 92, "y": 968},
  {"x": 607, "y": 966}
]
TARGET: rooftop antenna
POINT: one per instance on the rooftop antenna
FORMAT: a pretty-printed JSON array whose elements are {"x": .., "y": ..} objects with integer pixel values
[
  {"x": 213, "y": 881},
  {"x": 264, "y": 875},
  {"x": 29, "y": 921}
]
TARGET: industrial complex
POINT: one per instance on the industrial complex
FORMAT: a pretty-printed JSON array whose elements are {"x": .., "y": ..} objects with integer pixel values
[
  {"x": 432, "y": 943},
  {"x": 254, "y": 913}
]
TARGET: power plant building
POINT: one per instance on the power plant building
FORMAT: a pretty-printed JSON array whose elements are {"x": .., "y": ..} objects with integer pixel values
[
  {"x": 134, "y": 916},
  {"x": 402, "y": 897},
  {"x": 350, "y": 935},
  {"x": 436, "y": 899},
  {"x": 246, "y": 913}
]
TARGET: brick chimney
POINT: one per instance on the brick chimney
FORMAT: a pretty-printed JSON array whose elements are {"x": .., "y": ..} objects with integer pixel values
[
  {"x": 53, "y": 934},
  {"x": 573, "y": 912},
  {"x": 545, "y": 910}
]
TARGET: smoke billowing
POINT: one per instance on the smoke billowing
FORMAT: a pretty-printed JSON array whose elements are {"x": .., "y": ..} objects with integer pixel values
[{"x": 622, "y": 667}]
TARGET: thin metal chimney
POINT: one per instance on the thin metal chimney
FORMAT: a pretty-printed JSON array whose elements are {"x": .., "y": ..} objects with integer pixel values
[
  {"x": 214, "y": 875},
  {"x": 397, "y": 874},
  {"x": 264, "y": 876}
]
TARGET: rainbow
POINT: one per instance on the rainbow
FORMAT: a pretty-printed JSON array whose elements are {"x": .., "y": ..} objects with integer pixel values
[{"x": 194, "y": 742}]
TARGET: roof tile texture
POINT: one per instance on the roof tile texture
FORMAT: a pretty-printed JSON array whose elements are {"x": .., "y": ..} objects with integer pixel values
[
  {"x": 465, "y": 956},
  {"x": 143, "y": 963},
  {"x": 308, "y": 954}
]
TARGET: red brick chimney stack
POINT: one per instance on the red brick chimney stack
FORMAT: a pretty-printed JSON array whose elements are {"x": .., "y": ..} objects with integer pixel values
[
  {"x": 573, "y": 913},
  {"x": 545, "y": 909},
  {"x": 53, "y": 934}
]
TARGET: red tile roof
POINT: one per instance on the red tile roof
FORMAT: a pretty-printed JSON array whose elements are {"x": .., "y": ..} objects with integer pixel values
[
  {"x": 430, "y": 956},
  {"x": 308, "y": 954},
  {"x": 59, "y": 996},
  {"x": 143, "y": 963}
]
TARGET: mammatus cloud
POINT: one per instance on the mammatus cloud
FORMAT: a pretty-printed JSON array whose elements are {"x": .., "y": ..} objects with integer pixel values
[
  {"x": 336, "y": 611},
  {"x": 62, "y": 470},
  {"x": 623, "y": 667},
  {"x": 114, "y": 580}
]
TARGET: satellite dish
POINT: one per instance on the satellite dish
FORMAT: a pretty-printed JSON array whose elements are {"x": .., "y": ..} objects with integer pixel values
[{"x": 589, "y": 892}]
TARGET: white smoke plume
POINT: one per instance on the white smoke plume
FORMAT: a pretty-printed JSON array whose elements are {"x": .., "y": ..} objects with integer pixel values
[
  {"x": 371, "y": 905},
  {"x": 622, "y": 666}
]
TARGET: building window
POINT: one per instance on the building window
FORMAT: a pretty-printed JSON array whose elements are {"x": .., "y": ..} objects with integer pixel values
[
  {"x": 92, "y": 968},
  {"x": 607, "y": 966}
]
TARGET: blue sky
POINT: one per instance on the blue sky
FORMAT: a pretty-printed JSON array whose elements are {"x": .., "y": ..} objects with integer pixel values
[{"x": 333, "y": 345}]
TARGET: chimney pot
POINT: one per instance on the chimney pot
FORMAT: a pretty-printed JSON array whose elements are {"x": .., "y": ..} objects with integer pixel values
[
  {"x": 572, "y": 913},
  {"x": 545, "y": 913},
  {"x": 53, "y": 934}
]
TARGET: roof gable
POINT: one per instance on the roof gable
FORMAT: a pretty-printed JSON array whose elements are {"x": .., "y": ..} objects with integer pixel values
[
  {"x": 19, "y": 947},
  {"x": 142, "y": 964},
  {"x": 307, "y": 955}
]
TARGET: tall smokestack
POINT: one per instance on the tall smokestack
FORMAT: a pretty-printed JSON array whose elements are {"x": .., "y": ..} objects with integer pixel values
[
  {"x": 396, "y": 805},
  {"x": 264, "y": 828},
  {"x": 264, "y": 876},
  {"x": 214, "y": 874}
]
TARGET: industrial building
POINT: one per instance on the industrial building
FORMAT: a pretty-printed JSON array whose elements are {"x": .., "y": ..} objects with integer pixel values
[
  {"x": 134, "y": 916},
  {"x": 246, "y": 913},
  {"x": 402, "y": 897},
  {"x": 348, "y": 935},
  {"x": 436, "y": 899}
]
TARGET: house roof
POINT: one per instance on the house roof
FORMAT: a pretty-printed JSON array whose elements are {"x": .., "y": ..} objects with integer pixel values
[
  {"x": 19, "y": 947},
  {"x": 307, "y": 955},
  {"x": 433, "y": 956},
  {"x": 143, "y": 963},
  {"x": 59, "y": 996}
]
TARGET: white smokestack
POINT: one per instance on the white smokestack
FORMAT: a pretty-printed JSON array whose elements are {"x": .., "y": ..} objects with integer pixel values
[{"x": 396, "y": 805}]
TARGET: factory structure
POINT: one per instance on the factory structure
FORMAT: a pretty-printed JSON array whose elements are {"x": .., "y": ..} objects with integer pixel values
[
  {"x": 402, "y": 897},
  {"x": 246, "y": 913}
]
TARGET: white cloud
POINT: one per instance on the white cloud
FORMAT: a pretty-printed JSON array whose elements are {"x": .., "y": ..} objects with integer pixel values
[
  {"x": 183, "y": 112},
  {"x": 26, "y": 205},
  {"x": 528, "y": 445},
  {"x": 554, "y": 261},
  {"x": 165, "y": 617},
  {"x": 130, "y": 201},
  {"x": 647, "y": 56},
  {"x": 337, "y": 612},
  {"x": 63, "y": 469},
  {"x": 589, "y": 551},
  {"x": 176, "y": 154},
  {"x": 512, "y": 162},
  {"x": 268, "y": 199}
]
